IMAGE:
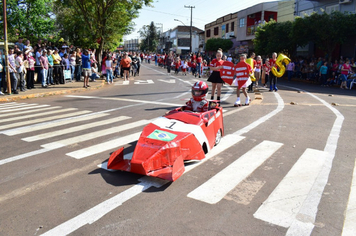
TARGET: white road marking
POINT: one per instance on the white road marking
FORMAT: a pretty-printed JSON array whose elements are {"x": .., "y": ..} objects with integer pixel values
[
  {"x": 28, "y": 111},
  {"x": 95, "y": 213},
  {"x": 17, "y": 105},
  {"x": 215, "y": 189},
  {"x": 284, "y": 203},
  {"x": 38, "y": 114},
  {"x": 23, "y": 108},
  {"x": 138, "y": 81},
  {"x": 304, "y": 224},
  {"x": 7, "y": 104},
  {"x": 22, "y": 156},
  {"x": 101, "y": 147},
  {"x": 128, "y": 100},
  {"x": 170, "y": 81},
  {"x": 228, "y": 94},
  {"x": 42, "y": 119},
  {"x": 74, "y": 129},
  {"x": 91, "y": 215},
  {"x": 125, "y": 82},
  {"x": 52, "y": 124},
  {"x": 93, "y": 135},
  {"x": 350, "y": 218}
]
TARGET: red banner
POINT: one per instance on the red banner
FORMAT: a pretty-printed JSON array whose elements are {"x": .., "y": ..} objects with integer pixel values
[
  {"x": 227, "y": 72},
  {"x": 242, "y": 70}
]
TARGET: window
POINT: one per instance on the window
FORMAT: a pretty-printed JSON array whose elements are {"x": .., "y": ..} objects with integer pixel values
[
  {"x": 332, "y": 8},
  {"x": 208, "y": 33},
  {"x": 216, "y": 31},
  {"x": 227, "y": 28},
  {"x": 242, "y": 22},
  {"x": 232, "y": 26}
]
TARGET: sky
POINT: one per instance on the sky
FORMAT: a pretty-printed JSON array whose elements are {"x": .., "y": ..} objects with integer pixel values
[{"x": 164, "y": 12}]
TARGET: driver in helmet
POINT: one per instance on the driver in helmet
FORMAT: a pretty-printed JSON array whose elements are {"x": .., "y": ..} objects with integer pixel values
[{"x": 198, "y": 102}]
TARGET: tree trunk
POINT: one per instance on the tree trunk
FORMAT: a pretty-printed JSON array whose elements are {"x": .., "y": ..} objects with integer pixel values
[{"x": 99, "y": 52}]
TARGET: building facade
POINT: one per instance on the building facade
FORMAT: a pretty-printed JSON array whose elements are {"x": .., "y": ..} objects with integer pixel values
[
  {"x": 240, "y": 27},
  {"x": 305, "y": 8},
  {"x": 132, "y": 45},
  {"x": 178, "y": 40}
]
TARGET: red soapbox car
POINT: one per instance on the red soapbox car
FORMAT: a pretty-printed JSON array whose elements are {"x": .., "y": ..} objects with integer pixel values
[{"x": 168, "y": 141}]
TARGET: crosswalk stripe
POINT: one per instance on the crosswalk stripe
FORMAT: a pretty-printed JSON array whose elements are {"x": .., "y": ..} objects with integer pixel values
[
  {"x": 29, "y": 111},
  {"x": 284, "y": 203},
  {"x": 42, "y": 119},
  {"x": 74, "y": 129},
  {"x": 38, "y": 114},
  {"x": 18, "y": 105},
  {"x": 127, "y": 100},
  {"x": 46, "y": 125},
  {"x": 10, "y": 104},
  {"x": 23, "y": 108},
  {"x": 222, "y": 183},
  {"x": 95, "y": 213},
  {"x": 98, "y": 148},
  {"x": 350, "y": 218},
  {"x": 7, "y": 104},
  {"x": 93, "y": 135}
]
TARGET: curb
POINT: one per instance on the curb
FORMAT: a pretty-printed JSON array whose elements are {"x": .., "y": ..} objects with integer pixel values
[{"x": 13, "y": 98}]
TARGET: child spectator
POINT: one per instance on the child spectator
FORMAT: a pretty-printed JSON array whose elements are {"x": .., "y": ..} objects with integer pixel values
[{"x": 323, "y": 73}]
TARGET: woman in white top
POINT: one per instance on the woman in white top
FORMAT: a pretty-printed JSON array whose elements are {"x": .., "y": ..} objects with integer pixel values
[
  {"x": 72, "y": 59},
  {"x": 109, "y": 65}
]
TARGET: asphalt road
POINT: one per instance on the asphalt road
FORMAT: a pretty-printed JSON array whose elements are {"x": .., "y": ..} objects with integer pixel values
[{"x": 284, "y": 166}]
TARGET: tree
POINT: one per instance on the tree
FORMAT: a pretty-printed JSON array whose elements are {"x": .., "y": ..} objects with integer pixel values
[
  {"x": 275, "y": 37},
  {"x": 97, "y": 23},
  {"x": 328, "y": 30},
  {"x": 215, "y": 43},
  {"x": 150, "y": 36},
  {"x": 29, "y": 18}
]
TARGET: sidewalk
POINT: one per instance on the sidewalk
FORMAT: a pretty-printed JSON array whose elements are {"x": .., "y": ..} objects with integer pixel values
[{"x": 38, "y": 91}]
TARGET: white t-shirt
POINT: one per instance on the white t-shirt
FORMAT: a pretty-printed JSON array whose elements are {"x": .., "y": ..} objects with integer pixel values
[{"x": 108, "y": 64}]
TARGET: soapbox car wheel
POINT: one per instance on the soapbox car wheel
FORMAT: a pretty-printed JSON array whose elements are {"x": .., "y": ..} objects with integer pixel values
[{"x": 217, "y": 137}]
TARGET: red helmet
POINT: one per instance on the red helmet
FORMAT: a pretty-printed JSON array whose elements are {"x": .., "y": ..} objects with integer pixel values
[{"x": 199, "y": 90}]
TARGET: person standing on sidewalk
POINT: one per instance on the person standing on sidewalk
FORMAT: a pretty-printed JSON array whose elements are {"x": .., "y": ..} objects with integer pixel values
[
  {"x": 57, "y": 69},
  {"x": 50, "y": 67},
  {"x": 78, "y": 65},
  {"x": 290, "y": 70},
  {"x": 86, "y": 68},
  {"x": 44, "y": 67},
  {"x": 20, "y": 70},
  {"x": 12, "y": 70},
  {"x": 2, "y": 74},
  {"x": 30, "y": 75}
]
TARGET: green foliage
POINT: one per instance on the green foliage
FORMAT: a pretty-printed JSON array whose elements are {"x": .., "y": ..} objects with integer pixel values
[
  {"x": 325, "y": 30},
  {"x": 275, "y": 37},
  {"x": 215, "y": 43},
  {"x": 96, "y": 23},
  {"x": 29, "y": 19},
  {"x": 150, "y": 36}
]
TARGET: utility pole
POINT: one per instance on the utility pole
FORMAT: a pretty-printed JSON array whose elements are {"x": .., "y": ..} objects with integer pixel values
[
  {"x": 6, "y": 67},
  {"x": 191, "y": 16}
]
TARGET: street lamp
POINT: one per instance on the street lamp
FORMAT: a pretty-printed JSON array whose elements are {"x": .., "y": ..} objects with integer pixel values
[{"x": 179, "y": 21}]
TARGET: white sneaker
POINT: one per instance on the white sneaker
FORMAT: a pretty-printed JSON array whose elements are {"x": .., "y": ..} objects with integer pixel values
[
  {"x": 1, "y": 93},
  {"x": 247, "y": 101},
  {"x": 237, "y": 103}
]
